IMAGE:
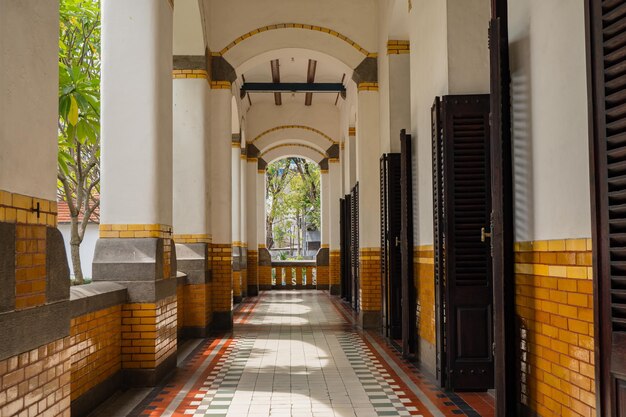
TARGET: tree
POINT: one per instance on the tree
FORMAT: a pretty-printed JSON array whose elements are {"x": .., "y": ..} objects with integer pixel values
[
  {"x": 293, "y": 202},
  {"x": 79, "y": 117}
]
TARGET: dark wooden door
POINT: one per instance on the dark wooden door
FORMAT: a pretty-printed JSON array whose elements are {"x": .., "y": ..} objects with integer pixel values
[
  {"x": 391, "y": 258},
  {"x": 354, "y": 243},
  {"x": 467, "y": 263},
  {"x": 440, "y": 301},
  {"x": 606, "y": 25},
  {"x": 347, "y": 271},
  {"x": 342, "y": 247},
  {"x": 408, "y": 290},
  {"x": 506, "y": 374}
]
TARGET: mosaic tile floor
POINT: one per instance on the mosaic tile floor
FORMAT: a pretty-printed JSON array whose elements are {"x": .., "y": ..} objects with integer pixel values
[{"x": 297, "y": 353}]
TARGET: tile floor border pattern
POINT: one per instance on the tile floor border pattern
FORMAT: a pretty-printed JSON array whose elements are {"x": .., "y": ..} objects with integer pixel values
[
  {"x": 392, "y": 386},
  {"x": 447, "y": 402},
  {"x": 221, "y": 384},
  {"x": 382, "y": 390}
]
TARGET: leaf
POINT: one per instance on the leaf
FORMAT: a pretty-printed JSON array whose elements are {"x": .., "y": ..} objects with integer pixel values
[{"x": 73, "y": 113}]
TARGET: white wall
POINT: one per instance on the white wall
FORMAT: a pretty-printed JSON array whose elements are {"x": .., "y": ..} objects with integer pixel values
[
  {"x": 29, "y": 32},
  {"x": 87, "y": 248},
  {"x": 188, "y": 30},
  {"x": 550, "y": 129},
  {"x": 429, "y": 78}
]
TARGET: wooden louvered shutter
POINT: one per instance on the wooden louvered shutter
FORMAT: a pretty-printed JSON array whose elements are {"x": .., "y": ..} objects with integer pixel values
[
  {"x": 348, "y": 234},
  {"x": 391, "y": 258},
  {"x": 607, "y": 52},
  {"x": 384, "y": 253},
  {"x": 469, "y": 285},
  {"x": 342, "y": 247},
  {"x": 437, "y": 153},
  {"x": 408, "y": 295},
  {"x": 355, "y": 246}
]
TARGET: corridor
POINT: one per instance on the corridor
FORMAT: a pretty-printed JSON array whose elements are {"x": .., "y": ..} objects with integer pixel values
[{"x": 298, "y": 353}]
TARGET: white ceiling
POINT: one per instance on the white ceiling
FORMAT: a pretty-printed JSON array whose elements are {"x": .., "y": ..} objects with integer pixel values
[{"x": 293, "y": 67}]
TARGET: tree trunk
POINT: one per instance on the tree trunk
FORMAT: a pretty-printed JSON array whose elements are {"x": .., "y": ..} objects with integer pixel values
[{"x": 75, "y": 242}]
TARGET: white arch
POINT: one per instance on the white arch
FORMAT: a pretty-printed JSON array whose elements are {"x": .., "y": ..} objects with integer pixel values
[{"x": 294, "y": 149}]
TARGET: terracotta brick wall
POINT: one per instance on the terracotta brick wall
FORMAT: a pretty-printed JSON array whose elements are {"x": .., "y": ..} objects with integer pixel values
[
  {"x": 180, "y": 308},
  {"x": 554, "y": 303},
  {"x": 197, "y": 305},
  {"x": 322, "y": 277},
  {"x": 95, "y": 340},
  {"x": 236, "y": 283},
  {"x": 30, "y": 266},
  {"x": 244, "y": 281},
  {"x": 148, "y": 333},
  {"x": 370, "y": 281},
  {"x": 253, "y": 267},
  {"x": 30, "y": 244},
  {"x": 265, "y": 275},
  {"x": 335, "y": 267},
  {"x": 37, "y": 382},
  {"x": 222, "y": 285},
  {"x": 424, "y": 278}
]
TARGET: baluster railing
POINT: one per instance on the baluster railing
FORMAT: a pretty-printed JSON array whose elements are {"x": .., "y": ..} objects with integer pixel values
[{"x": 293, "y": 274}]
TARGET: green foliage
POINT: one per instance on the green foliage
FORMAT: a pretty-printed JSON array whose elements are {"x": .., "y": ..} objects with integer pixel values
[
  {"x": 293, "y": 201},
  {"x": 79, "y": 115}
]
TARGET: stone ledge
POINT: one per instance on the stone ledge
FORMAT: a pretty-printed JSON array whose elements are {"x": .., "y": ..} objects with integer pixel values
[
  {"x": 96, "y": 296},
  {"x": 33, "y": 327}
]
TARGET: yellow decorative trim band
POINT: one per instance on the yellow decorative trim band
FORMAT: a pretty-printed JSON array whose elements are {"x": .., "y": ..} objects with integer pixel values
[
  {"x": 261, "y": 246},
  {"x": 323, "y": 171},
  {"x": 178, "y": 74},
  {"x": 261, "y": 171},
  {"x": 325, "y": 246},
  {"x": 237, "y": 244},
  {"x": 321, "y": 29},
  {"x": 251, "y": 159},
  {"x": 342, "y": 146},
  {"x": 302, "y": 127},
  {"x": 18, "y": 208},
  {"x": 333, "y": 160},
  {"x": 352, "y": 131},
  {"x": 369, "y": 254},
  {"x": 368, "y": 87},
  {"x": 127, "y": 231},
  {"x": 192, "y": 238},
  {"x": 236, "y": 145},
  {"x": 220, "y": 85},
  {"x": 559, "y": 245},
  {"x": 398, "y": 47},
  {"x": 297, "y": 145},
  {"x": 243, "y": 157}
]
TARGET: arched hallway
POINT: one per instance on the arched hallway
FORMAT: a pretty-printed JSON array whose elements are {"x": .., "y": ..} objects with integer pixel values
[{"x": 296, "y": 353}]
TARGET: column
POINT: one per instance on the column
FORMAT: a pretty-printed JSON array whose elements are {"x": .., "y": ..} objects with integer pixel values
[
  {"x": 264, "y": 273},
  {"x": 243, "y": 216},
  {"x": 35, "y": 311},
  {"x": 367, "y": 162},
  {"x": 236, "y": 215},
  {"x": 322, "y": 260},
  {"x": 349, "y": 162},
  {"x": 191, "y": 195},
  {"x": 135, "y": 245},
  {"x": 251, "y": 213},
  {"x": 334, "y": 192},
  {"x": 399, "y": 85},
  {"x": 221, "y": 206}
]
